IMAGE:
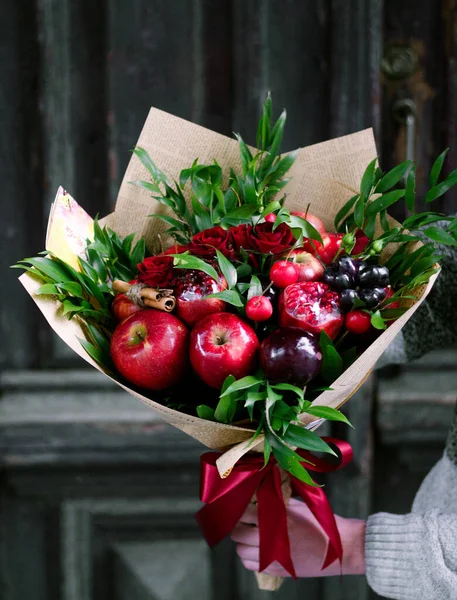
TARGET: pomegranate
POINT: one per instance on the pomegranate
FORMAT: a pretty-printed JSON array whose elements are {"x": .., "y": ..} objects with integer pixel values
[
  {"x": 190, "y": 288},
  {"x": 313, "y": 306}
]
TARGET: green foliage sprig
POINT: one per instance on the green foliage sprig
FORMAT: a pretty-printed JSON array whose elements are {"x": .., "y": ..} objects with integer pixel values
[{"x": 248, "y": 197}]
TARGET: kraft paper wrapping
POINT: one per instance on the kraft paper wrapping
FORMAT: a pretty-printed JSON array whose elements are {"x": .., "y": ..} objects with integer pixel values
[{"x": 324, "y": 176}]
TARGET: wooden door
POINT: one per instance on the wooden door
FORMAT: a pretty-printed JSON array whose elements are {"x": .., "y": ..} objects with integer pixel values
[{"x": 97, "y": 494}]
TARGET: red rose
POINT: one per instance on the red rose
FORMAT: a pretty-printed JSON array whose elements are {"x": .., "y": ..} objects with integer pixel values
[
  {"x": 241, "y": 237},
  {"x": 208, "y": 241},
  {"x": 156, "y": 271},
  {"x": 264, "y": 239}
]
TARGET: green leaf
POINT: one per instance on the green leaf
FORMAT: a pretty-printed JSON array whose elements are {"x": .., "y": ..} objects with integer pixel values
[
  {"x": 410, "y": 189},
  {"x": 100, "y": 339},
  {"x": 50, "y": 267},
  {"x": 276, "y": 140},
  {"x": 384, "y": 202},
  {"x": 47, "y": 288},
  {"x": 279, "y": 169},
  {"x": 156, "y": 174},
  {"x": 359, "y": 213},
  {"x": 138, "y": 253},
  {"x": 291, "y": 462},
  {"x": 245, "y": 153},
  {"x": 146, "y": 185},
  {"x": 424, "y": 264},
  {"x": 240, "y": 215},
  {"x": 393, "y": 177},
  {"x": 370, "y": 226},
  {"x": 94, "y": 352},
  {"x": 344, "y": 210},
  {"x": 441, "y": 188},
  {"x": 72, "y": 288},
  {"x": 325, "y": 412},
  {"x": 227, "y": 269},
  {"x": 305, "y": 439},
  {"x": 230, "y": 296},
  {"x": 242, "y": 384},
  {"x": 225, "y": 409},
  {"x": 255, "y": 287},
  {"x": 243, "y": 270},
  {"x": 332, "y": 362},
  {"x": 205, "y": 412},
  {"x": 436, "y": 168},
  {"x": 439, "y": 235},
  {"x": 308, "y": 230},
  {"x": 266, "y": 451},
  {"x": 377, "y": 321},
  {"x": 367, "y": 180},
  {"x": 187, "y": 261},
  {"x": 289, "y": 388},
  {"x": 384, "y": 222}
]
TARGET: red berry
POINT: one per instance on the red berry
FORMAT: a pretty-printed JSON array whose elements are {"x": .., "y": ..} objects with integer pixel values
[
  {"x": 270, "y": 218},
  {"x": 259, "y": 308},
  {"x": 358, "y": 321},
  {"x": 283, "y": 273}
]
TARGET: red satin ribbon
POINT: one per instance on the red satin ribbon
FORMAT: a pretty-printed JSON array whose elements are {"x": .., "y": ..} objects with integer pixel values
[{"x": 227, "y": 499}]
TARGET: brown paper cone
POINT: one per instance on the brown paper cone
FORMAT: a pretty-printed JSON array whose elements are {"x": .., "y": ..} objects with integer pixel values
[{"x": 323, "y": 178}]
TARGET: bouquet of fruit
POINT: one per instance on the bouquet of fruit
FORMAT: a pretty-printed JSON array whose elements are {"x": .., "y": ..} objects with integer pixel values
[{"x": 245, "y": 295}]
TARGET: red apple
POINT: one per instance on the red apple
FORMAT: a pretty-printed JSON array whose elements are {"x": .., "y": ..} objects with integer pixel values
[
  {"x": 331, "y": 247},
  {"x": 315, "y": 221},
  {"x": 308, "y": 266},
  {"x": 122, "y": 307},
  {"x": 150, "y": 349},
  {"x": 191, "y": 287},
  {"x": 222, "y": 344}
]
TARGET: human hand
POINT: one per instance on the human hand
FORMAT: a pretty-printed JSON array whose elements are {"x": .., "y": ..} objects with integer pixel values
[{"x": 308, "y": 543}]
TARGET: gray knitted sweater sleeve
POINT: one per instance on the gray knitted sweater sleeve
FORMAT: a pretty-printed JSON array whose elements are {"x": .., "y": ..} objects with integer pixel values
[{"x": 414, "y": 556}]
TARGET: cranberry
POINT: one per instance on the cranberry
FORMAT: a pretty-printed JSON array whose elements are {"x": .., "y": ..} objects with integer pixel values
[
  {"x": 283, "y": 273},
  {"x": 259, "y": 308},
  {"x": 313, "y": 306},
  {"x": 358, "y": 321}
]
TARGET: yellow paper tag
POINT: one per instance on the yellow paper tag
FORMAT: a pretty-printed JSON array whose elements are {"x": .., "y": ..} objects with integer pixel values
[{"x": 69, "y": 227}]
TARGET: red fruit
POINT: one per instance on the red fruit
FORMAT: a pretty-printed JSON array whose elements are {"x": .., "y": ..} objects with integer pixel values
[
  {"x": 361, "y": 242},
  {"x": 313, "y": 306},
  {"x": 221, "y": 345},
  {"x": 150, "y": 349},
  {"x": 331, "y": 247},
  {"x": 315, "y": 221},
  {"x": 176, "y": 249},
  {"x": 191, "y": 287},
  {"x": 291, "y": 355},
  {"x": 358, "y": 322},
  {"x": 283, "y": 273},
  {"x": 122, "y": 307},
  {"x": 308, "y": 266},
  {"x": 259, "y": 308},
  {"x": 271, "y": 218}
]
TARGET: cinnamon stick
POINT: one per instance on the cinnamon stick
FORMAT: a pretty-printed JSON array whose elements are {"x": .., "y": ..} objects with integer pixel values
[{"x": 161, "y": 299}]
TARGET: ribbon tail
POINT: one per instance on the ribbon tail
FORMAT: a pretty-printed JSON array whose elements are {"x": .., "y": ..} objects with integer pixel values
[
  {"x": 317, "y": 502},
  {"x": 217, "y": 518},
  {"x": 273, "y": 531}
]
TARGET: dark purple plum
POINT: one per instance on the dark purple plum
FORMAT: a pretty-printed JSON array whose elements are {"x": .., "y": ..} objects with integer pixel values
[{"x": 291, "y": 355}]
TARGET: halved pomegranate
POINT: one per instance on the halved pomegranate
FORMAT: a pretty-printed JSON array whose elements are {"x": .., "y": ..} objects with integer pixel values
[{"x": 313, "y": 306}]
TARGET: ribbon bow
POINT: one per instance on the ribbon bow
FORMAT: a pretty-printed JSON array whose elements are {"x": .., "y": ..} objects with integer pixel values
[{"x": 227, "y": 499}]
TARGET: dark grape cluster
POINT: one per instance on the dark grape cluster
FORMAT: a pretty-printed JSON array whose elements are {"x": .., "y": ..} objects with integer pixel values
[{"x": 355, "y": 279}]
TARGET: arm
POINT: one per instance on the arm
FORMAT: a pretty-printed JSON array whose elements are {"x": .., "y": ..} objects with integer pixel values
[{"x": 406, "y": 557}]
